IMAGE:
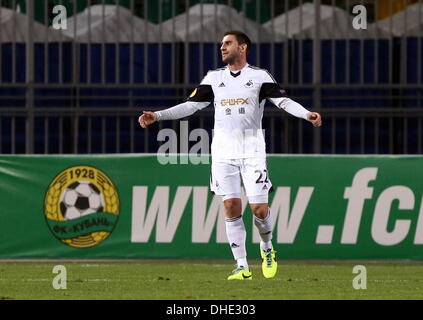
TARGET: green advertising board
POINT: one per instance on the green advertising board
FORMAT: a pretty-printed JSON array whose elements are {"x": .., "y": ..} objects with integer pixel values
[{"x": 131, "y": 206}]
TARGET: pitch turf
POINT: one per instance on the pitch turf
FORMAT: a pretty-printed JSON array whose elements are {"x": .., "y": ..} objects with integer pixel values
[{"x": 190, "y": 280}]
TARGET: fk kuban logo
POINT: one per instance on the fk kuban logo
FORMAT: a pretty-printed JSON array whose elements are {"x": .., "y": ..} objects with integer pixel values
[{"x": 81, "y": 206}]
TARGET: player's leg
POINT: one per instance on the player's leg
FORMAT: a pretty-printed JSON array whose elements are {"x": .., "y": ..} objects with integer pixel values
[
  {"x": 236, "y": 233},
  {"x": 262, "y": 220},
  {"x": 235, "y": 229},
  {"x": 257, "y": 185},
  {"x": 226, "y": 181},
  {"x": 264, "y": 224}
]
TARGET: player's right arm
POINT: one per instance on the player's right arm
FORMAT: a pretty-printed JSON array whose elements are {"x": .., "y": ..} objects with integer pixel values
[{"x": 198, "y": 99}]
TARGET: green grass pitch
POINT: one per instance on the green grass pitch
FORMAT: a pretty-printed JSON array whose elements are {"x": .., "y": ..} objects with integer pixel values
[{"x": 200, "y": 279}]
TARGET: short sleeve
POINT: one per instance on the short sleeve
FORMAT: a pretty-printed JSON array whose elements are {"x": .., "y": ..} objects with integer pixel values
[
  {"x": 267, "y": 77},
  {"x": 207, "y": 80}
]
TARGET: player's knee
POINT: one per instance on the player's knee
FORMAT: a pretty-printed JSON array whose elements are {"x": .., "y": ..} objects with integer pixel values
[
  {"x": 232, "y": 206},
  {"x": 260, "y": 210}
]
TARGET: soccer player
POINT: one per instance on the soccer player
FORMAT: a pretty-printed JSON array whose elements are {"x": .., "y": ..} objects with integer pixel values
[{"x": 239, "y": 92}]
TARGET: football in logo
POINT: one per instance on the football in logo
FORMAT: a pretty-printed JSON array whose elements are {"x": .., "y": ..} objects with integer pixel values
[
  {"x": 81, "y": 206},
  {"x": 80, "y": 199}
]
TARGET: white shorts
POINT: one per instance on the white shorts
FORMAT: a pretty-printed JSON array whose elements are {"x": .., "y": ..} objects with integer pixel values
[{"x": 226, "y": 176}]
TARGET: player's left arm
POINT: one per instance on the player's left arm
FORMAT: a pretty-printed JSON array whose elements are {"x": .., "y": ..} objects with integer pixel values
[
  {"x": 272, "y": 91},
  {"x": 315, "y": 118},
  {"x": 297, "y": 110}
]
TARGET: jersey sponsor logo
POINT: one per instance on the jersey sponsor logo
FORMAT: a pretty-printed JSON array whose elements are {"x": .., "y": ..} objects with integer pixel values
[{"x": 233, "y": 102}]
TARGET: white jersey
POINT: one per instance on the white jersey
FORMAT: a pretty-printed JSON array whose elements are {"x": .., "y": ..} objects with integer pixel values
[{"x": 239, "y": 99}]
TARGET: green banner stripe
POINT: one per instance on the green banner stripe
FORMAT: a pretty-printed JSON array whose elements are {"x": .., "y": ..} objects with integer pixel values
[{"x": 69, "y": 229}]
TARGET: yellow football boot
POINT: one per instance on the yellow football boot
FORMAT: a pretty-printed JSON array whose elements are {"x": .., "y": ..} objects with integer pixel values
[
  {"x": 269, "y": 265},
  {"x": 241, "y": 274}
]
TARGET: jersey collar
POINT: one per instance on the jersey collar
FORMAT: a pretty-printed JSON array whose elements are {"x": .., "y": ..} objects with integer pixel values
[{"x": 237, "y": 72}]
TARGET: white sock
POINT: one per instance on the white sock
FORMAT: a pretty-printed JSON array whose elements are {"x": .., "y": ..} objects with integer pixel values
[
  {"x": 235, "y": 231},
  {"x": 266, "y": 245},
  {"x": 242, "y": 262},
  {"x": 265, "y": 228}
]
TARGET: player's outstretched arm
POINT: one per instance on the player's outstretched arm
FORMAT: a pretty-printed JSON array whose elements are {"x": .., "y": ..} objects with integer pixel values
[
  {"x": 314, "y": 118},
  {"x": 179, "y": 111},
  {"x": 272, "y": 91},
  {"x": 198, "y": 99},
  {"x": 298, "y": 110},
  {"x": 147, "y": 118}
]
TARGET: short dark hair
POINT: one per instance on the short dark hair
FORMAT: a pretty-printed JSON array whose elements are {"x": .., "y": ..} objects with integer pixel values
[{"x": 241, "y": 37}]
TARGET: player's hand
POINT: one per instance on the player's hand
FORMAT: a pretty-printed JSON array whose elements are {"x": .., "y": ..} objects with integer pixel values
[
  {"x": 147, "y": 118},
  {"x": 315, "y": 119}
]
